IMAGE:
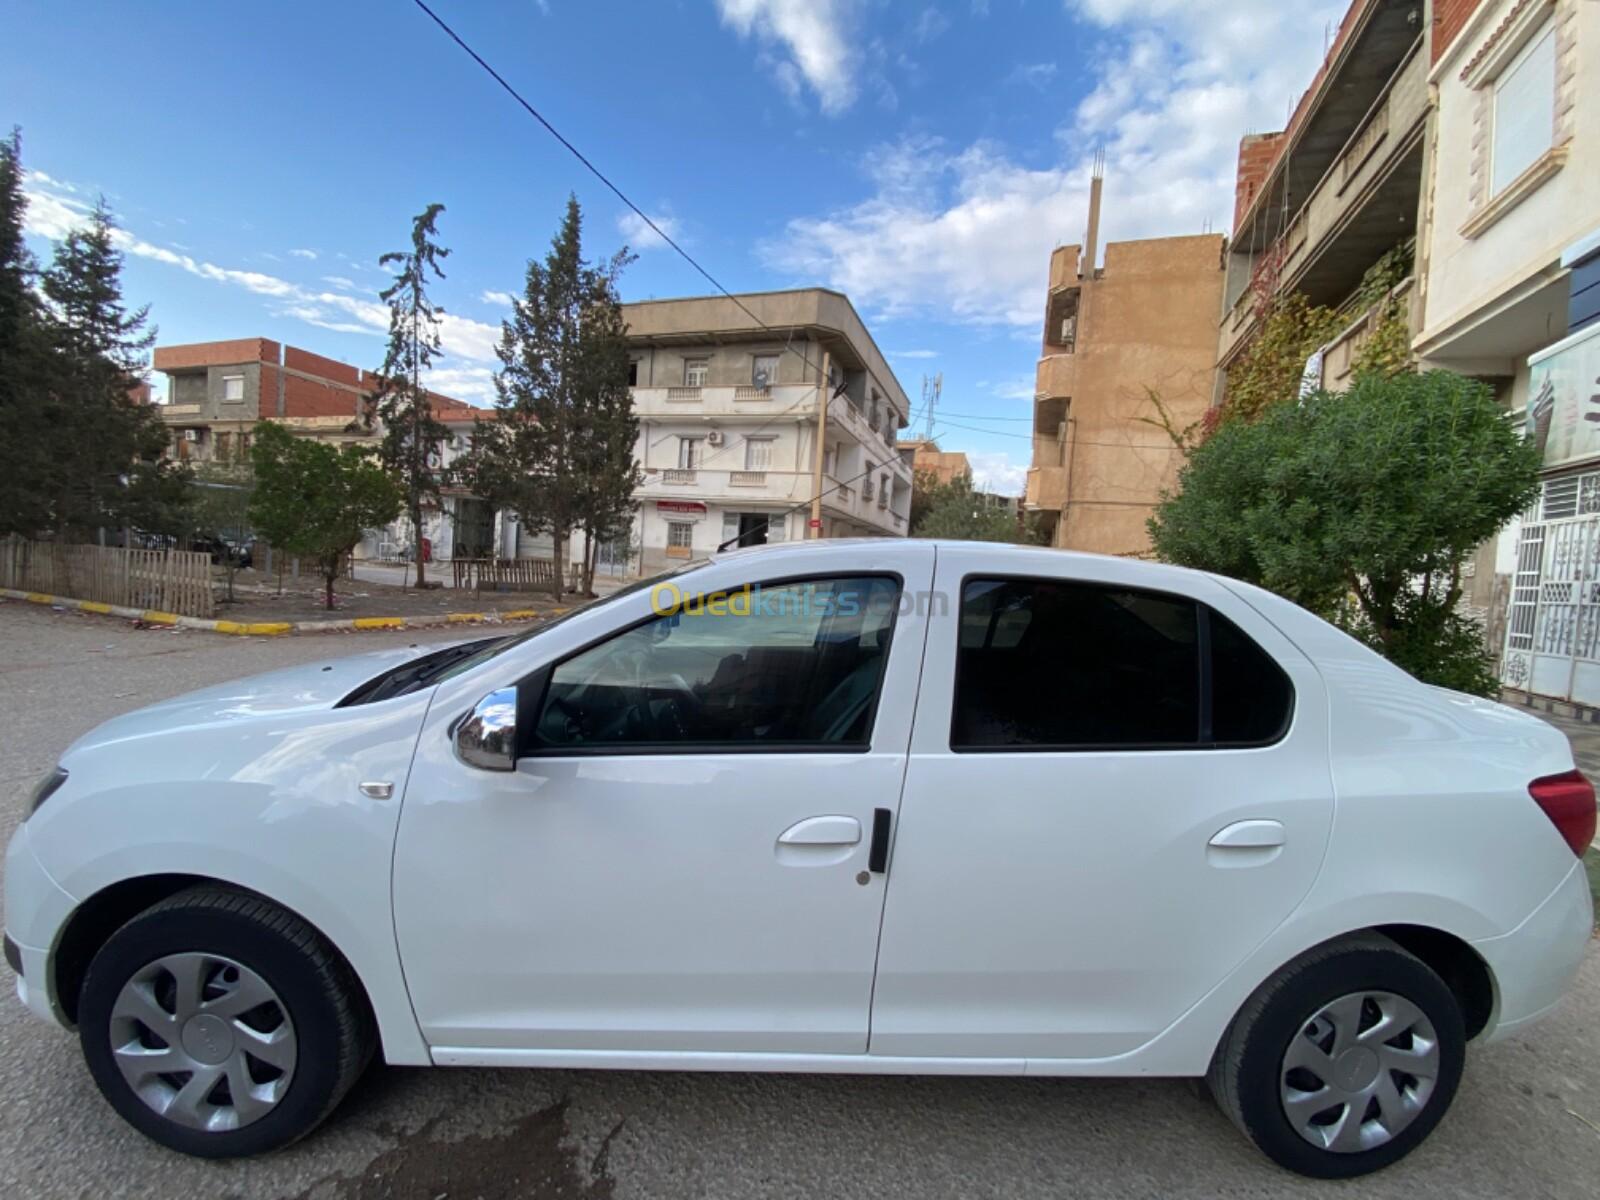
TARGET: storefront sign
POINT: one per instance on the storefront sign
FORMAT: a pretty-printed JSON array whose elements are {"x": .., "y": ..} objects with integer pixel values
[
  {"x": 1564, "y": 399},
  {"x": 692, "y": 507}
]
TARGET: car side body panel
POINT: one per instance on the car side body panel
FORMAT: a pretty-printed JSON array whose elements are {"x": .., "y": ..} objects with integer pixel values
[{"x": 265, "y": 801}]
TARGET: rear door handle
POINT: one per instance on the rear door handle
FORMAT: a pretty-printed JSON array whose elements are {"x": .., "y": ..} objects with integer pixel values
[
  {"x": 823, "y": 831},
  {"x": 1249, "y": 835}
]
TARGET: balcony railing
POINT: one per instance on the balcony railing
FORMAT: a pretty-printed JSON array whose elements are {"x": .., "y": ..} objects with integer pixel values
[
  {"x": 747, "y": 479},
  {"x": 845, "y": 494},
  {"x": 752, "y": 393},
  {"x": 678, "y": 475},
  {"x": 683, "y": 395}
]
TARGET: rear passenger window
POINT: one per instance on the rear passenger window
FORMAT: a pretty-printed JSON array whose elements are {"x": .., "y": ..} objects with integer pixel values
[
  {"x": 1059, "y": 665},
  {"x": 1051, "y": 664},
  {"x": 1251, "y": 698}
]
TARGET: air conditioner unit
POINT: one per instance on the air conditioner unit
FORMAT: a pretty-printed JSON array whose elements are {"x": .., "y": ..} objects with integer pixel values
[{"x": 714, "y": 437}]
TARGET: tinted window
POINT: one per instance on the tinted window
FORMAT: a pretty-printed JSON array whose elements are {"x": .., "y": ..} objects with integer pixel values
[
  {"x": 1251, "y": 697},
  {"x": 798, "y": 664},
  {"x": 1047, "y": 663}
]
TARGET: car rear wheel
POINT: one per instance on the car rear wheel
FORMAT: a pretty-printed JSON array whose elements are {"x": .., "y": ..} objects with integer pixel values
[
  {"x": 1345, "y": 1061},
  {"x": 220, "y": 1025}
]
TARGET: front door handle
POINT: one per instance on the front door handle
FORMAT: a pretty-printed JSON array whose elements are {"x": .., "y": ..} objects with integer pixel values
[
  {"x": 823, "y": 831},
  {"x": 878, "y": 852}
]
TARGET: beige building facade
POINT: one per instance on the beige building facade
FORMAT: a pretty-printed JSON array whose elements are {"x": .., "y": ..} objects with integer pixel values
[
  {"x": 927, "y": 459},
  {"x": 750, "y": 409},
  {"x": 1509, "y": 280},
  {"x": 1143, "y": 324}
]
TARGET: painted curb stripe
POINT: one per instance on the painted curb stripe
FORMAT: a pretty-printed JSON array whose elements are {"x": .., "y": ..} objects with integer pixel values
[{"x": 277, "y": 628}]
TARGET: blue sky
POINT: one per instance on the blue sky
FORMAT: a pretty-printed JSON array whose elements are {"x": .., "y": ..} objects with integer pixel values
[{"x": 924, "y": 158}]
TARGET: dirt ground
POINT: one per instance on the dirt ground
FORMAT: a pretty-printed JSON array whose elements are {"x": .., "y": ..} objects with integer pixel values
[{"x": 257, "y": 599}]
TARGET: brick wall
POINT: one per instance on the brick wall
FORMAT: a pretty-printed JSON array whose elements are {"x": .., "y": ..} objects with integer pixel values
[
  {"x": 308, "y": 398},
  {"x": 268, "y": 406},
  {"x": 1257, "y": 153},
  {"x": 215, "y": 354},
  {"x": 1448, "y": 18},
  {"x": 314, "y": 364}
]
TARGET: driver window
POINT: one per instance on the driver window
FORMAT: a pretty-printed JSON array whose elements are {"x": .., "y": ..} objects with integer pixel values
[{"x": 791, "y": 665}]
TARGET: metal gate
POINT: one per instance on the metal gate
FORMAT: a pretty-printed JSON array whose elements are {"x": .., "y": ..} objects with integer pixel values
[{"x": 1553, "y": 628}]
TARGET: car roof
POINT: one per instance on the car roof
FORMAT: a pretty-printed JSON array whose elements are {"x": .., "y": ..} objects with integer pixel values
[{"x": 1006, "y": 556}]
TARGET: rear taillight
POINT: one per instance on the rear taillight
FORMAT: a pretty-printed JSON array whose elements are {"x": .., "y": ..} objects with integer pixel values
[{"x": 1568, "y": 800}]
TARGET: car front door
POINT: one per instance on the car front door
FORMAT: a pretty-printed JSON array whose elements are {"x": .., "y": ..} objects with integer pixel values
[
  {"x": 1114, "y": 794},
  {"x": 679, "y": 860}
]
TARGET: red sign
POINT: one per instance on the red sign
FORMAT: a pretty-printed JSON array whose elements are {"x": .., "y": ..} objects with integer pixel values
[
  {"x": 681, "y": 506},
  {"x": 815, "y": 523}
]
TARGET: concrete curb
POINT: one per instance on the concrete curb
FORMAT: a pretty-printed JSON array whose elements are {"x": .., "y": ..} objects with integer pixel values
[{"x": 151, "y": 616}]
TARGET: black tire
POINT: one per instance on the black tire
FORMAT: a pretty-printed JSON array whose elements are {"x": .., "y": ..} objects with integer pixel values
[
  {"x": 1246, "y": 1072},
  {"x": 318, "y": 991}
]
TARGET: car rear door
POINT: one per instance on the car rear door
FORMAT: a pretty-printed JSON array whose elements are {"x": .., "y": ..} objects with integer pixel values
[{"x": 1075, "y": 866}]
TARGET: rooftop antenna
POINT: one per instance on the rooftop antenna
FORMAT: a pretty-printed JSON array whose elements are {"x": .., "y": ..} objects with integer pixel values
[{"x": 930, "y": 400}]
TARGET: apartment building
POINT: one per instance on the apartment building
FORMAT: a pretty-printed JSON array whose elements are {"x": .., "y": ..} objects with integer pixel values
[
  {"x": 772, "y": 424},
  {"x": 1145, "y": 322},
  {"x": 1509, "y": 282},
  {"x": 1319, "y": 202},
  {"x": 218, "y": 391},
  {"x": 945, "y": 466}
]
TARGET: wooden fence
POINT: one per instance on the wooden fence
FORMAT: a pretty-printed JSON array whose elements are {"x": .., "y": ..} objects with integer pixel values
[
  {"x": 504, "y": 574},
  {"x": 175, "y": 581}
]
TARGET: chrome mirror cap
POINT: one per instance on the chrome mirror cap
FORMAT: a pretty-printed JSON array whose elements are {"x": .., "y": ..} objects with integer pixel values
[{"x": 486, "y": 738}]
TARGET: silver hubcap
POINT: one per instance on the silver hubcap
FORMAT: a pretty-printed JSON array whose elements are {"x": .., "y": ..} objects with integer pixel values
[
  {"x": 204, "y": 1041},
  {"x": 1359, "y": 1071}
]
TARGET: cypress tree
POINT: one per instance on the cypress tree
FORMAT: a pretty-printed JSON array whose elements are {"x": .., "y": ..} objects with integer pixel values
[{"x": 410, "y": 432}]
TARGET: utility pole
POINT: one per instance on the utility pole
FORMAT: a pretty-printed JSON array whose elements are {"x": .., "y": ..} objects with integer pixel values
[{"x": 824, "y": 398}]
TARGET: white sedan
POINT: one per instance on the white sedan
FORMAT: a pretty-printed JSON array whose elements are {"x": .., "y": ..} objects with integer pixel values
[{"x": 885, "y": 806}]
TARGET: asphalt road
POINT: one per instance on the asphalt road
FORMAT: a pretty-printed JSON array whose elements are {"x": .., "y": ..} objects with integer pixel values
[{"x": 1525, "y": 1124}]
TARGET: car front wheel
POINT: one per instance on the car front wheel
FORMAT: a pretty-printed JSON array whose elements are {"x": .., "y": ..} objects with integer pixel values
[
  {"x": 220, "y": 1025},
  {"x": 1345, "y": 1061}
]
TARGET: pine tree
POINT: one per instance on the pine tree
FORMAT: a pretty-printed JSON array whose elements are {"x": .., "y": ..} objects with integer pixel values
[
  {"x": 103, "y": 437},
  {"x": 410, "y": 432},
  {"x": 560, "y": 452},
  {"x": 24, "y": 496}
]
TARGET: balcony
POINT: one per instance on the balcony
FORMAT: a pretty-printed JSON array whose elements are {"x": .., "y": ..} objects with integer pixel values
[
  {"x": 1056, "y": 376},
  {"x": 1339, "y": 356},
  {"x": 740, "y": 487},
  {"x": 1363, "y": 205},
  {"x": 1047, "y": 489},
  {"x": 759, "y": 403}
]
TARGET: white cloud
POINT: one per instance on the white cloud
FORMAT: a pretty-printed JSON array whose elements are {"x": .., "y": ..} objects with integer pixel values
[
  {"x": 915, "y": 354},
  {"x": 489, "y": 296},
  {"x": 52, "y": 213},
  {"x": 1014, "y": 389},
  {"x": 310, "y": 255},
  {"x": 930, "y": 23},
  {"x": 339, "y": 281},
  {"x": 640, "y": 236},
  {"x": 814, "y": 35},
  {"x": 967, "y": 231},
  {"x": 993, "y": 471},
  {"x": 1034, "y": 75},
  {"x": 475, "y": 385}
]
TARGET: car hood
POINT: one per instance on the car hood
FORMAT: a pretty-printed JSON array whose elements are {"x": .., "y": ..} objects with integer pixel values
[{"x": 316, "y": 685}]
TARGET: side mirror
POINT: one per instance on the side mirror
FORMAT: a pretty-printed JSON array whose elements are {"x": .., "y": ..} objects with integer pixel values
[{"x": 487, "y": 736}]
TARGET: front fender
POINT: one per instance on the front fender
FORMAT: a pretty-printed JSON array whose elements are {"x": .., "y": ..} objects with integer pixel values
[{"x": 271, "y": 804}]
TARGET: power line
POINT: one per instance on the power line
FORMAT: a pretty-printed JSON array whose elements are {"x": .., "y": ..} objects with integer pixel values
[
  {"x": 806, "y": 503},
  {"x": 639, "y": 212},
  {"x": 601, "y": 176},
  {"x": 1074, "y": 441}
]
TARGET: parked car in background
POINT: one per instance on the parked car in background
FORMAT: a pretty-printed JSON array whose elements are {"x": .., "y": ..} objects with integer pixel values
[{"x": 884, "y": 806}]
